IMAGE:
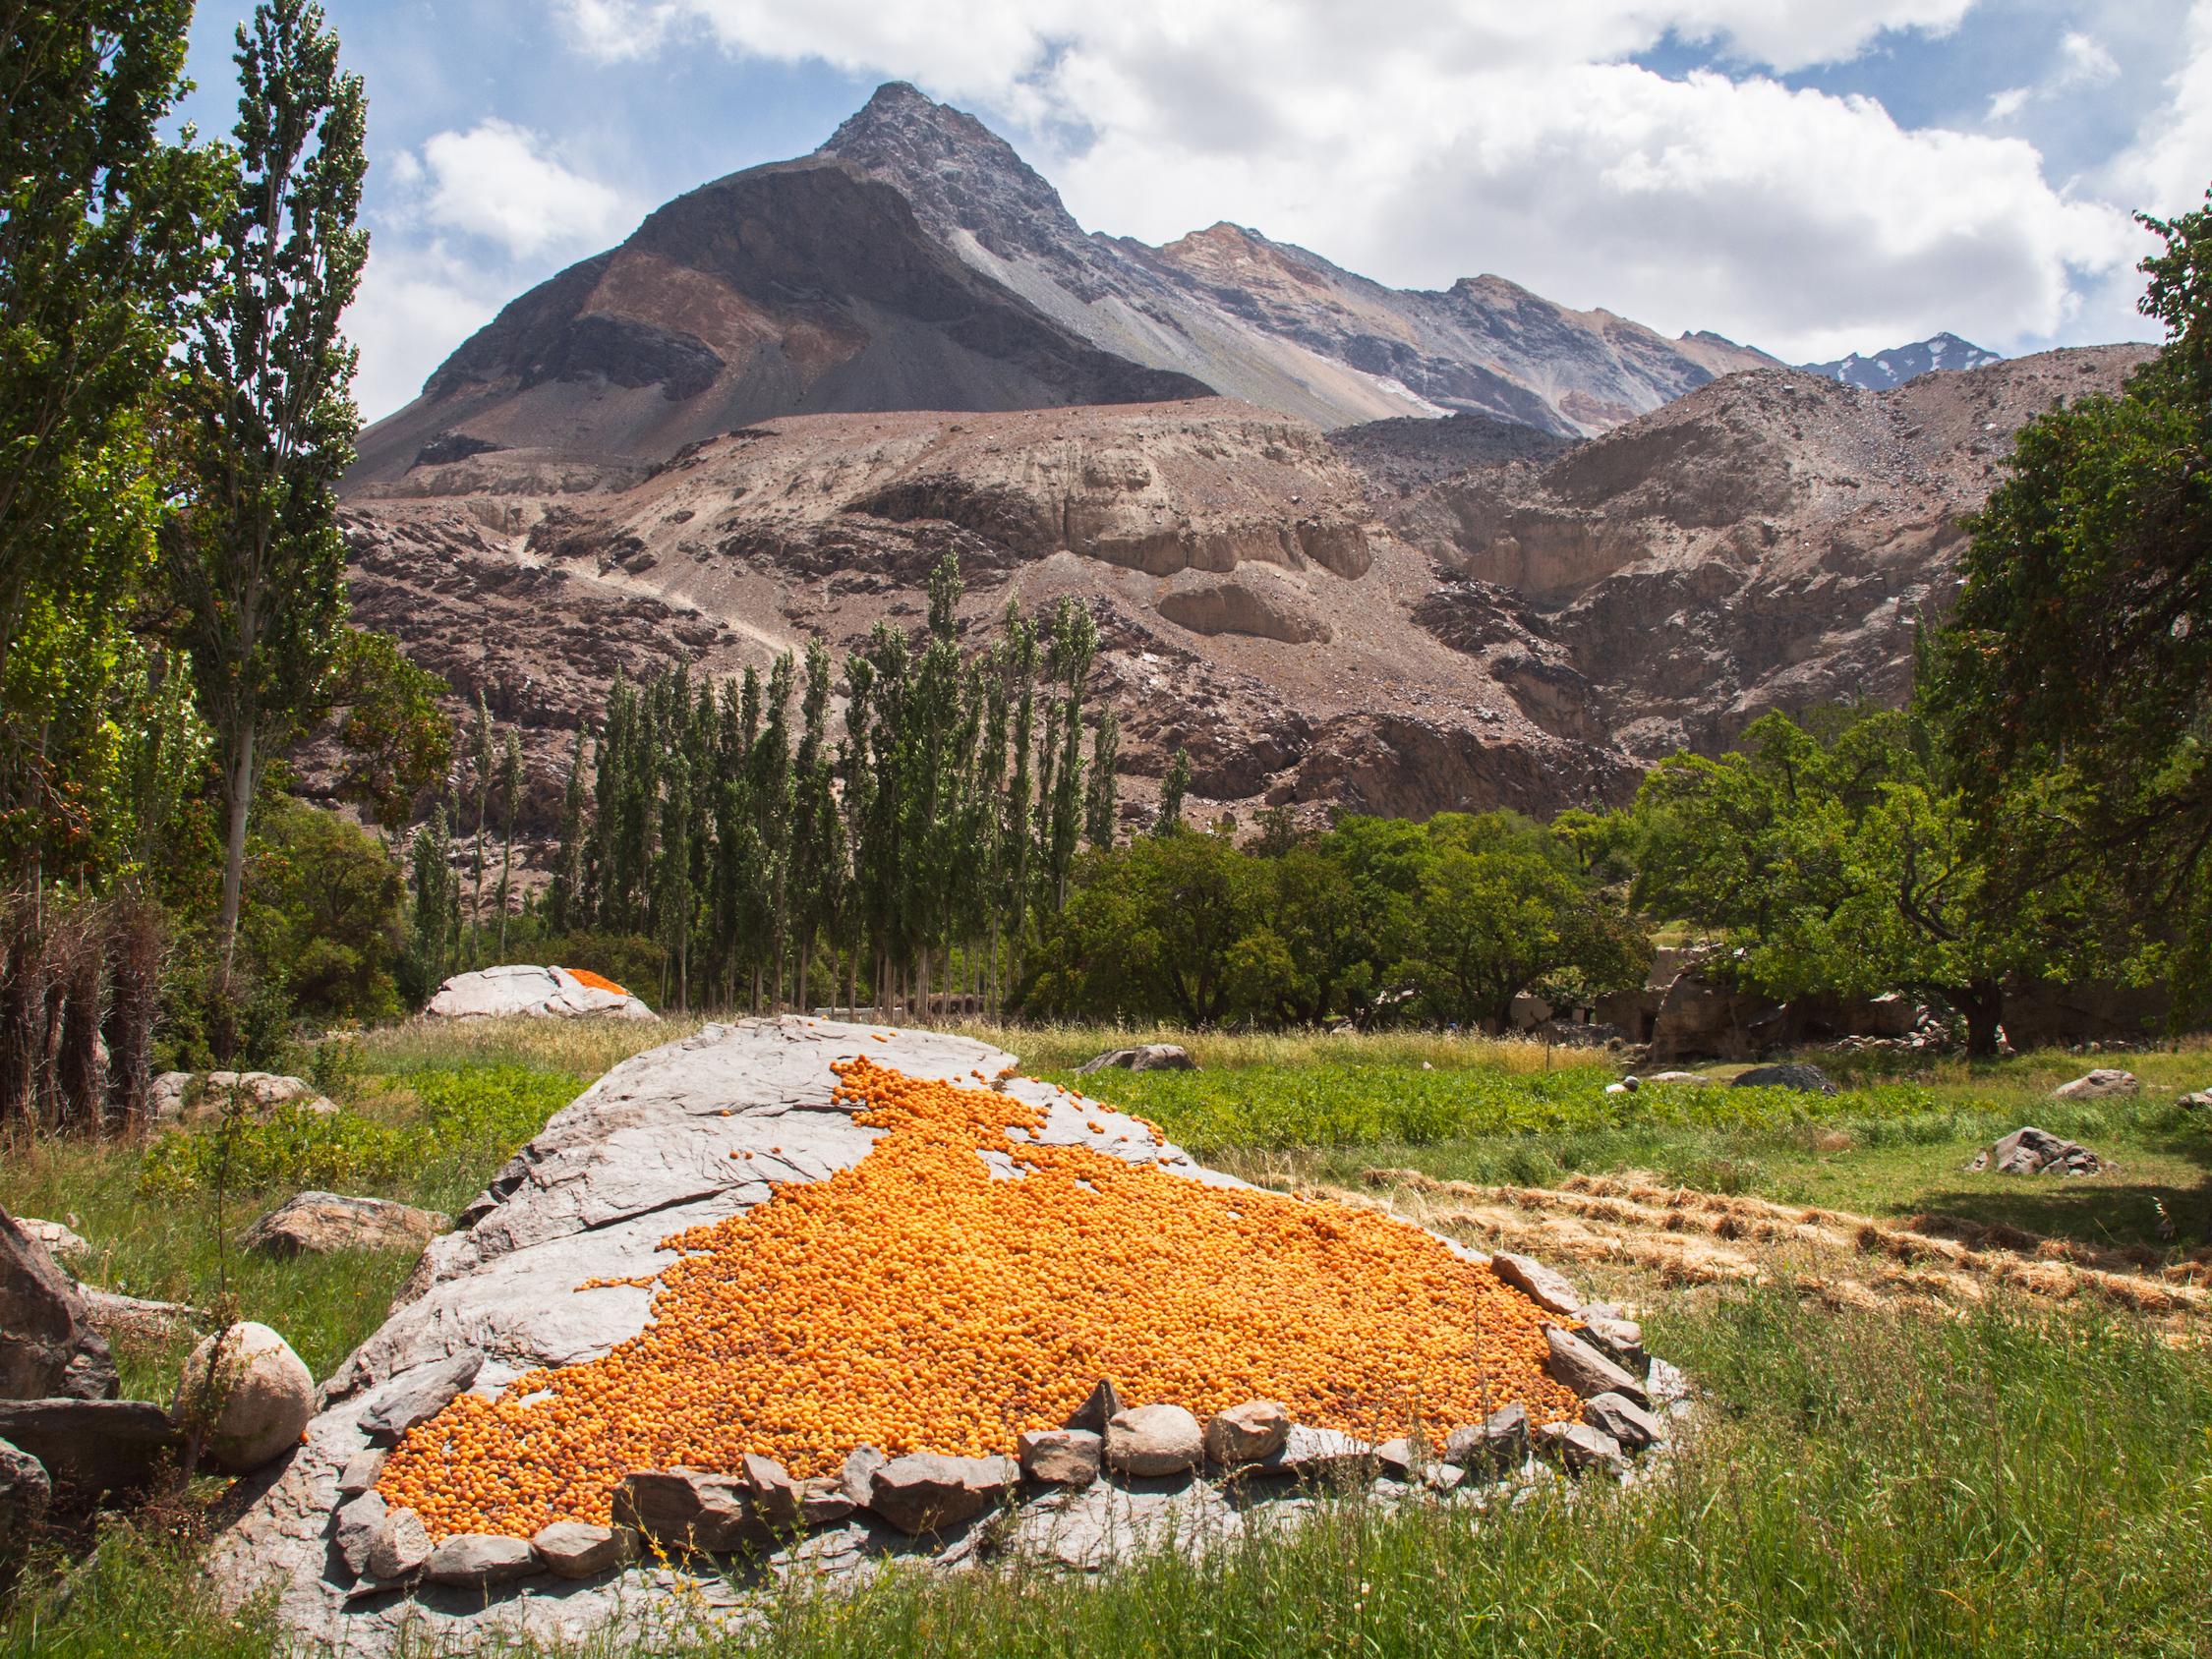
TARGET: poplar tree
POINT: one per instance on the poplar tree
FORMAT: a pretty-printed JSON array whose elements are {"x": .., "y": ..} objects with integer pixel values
[
  {"x": 511, "y": 799},
  {"x": 254, "y": 556},
  {"x": 565, "y": 897}
]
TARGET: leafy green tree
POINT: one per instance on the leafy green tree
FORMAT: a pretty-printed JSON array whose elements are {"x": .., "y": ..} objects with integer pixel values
[
  {"x": 1847, "y": 863},
  {"x": 253, "y": 555},
  {"x": 322, "y": 913},
  {"x": 1173, "y": 787},
  {"x": 433, "y": 902},
  {"x": 565, "y": 894},
  {"x": 2074, "y": 678},
  {"x": 392, "y": 729},
  {"x": 101, "y": 245}
]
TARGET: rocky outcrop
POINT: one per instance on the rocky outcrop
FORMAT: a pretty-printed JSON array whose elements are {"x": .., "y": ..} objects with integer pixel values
[
  {"x": 546, "y": 992},
  {"x": 319, "y": 1224},
  {"x": 555, "y": 1265},
  {"x": 2030, "y": 1150},
  {"x": 49, "y": 1344}
]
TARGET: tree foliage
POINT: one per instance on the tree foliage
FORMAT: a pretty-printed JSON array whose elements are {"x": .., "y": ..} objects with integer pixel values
[{"x": 2075, "y": 675}]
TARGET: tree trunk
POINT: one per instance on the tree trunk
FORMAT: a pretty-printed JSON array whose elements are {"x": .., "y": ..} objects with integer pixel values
[
  {"x": 1983, "y": 1005},
  {"x": 238, "y": 803}
]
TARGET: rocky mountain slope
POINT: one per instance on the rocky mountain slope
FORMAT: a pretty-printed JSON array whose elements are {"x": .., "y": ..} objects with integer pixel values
[
  {"x": 1267, "y": 322},
  {"x": 1771, "y": 540},
  {"x": 1406, "y": 618},
  {"x": 794, "y": 288},
  {"x": 915, "y": 262},
  {"x": 1900, "y": 363}
]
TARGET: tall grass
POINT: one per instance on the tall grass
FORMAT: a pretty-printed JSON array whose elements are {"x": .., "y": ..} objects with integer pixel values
[{"x": 2009, "y": 1482}]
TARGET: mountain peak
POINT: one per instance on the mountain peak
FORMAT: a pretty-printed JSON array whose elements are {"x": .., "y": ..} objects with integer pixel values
[
  {"x": 1900, "y": 363},
  {"x": 958, "y": 174}
]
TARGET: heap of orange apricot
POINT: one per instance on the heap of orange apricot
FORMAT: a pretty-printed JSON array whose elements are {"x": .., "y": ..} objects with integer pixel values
[{"x": 916, "y": 1303}]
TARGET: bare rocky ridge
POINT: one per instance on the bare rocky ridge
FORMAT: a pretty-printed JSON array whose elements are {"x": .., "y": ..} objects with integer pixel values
[
  {"x": 1768, "y": 541},
  {"x": 1313, "y": 621},
  {"x": 1265, "y": 321},
  {"x": 798, "y": 286}
]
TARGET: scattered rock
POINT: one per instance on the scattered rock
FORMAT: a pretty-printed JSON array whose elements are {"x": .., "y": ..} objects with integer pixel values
[
  {"x": 1578, "y": 1364},
  {"x": 478, "y": 1560},
  {"x": 824, "y": 1502},
  {"x": 26, "y": 1495},
  {"x": 1677, "y": 1077},
  {"x": 688, "y": 1511},
  {"x": 61, "y": 1243},
  {"x": 361, "y": 1471},
  {"x": 165, "y": 1095},
  {"x": 923, "y": 1492},
  {"x": 1666, "y": 1386},
  {"x": 546, "y": 993},
  {"x": 119, "y": 1447},
  {"x": 2199, "y": 1101},
  {"x": 1550, "y": 1290},
  {"x": 402, "y": 1547},
  {"x": 1145, "y": 1057},
  {"x": 1060, "y": 1457},
  {"x": 1246, "y": 1433},
  {"x": 1316, "y": 1455},
  {"x": 422, "y": 1395},
  {"x": 775, "y": 1496},
  {"x": 860, "y": 1465},
  {"x": 49, "y": 1347},
  {"x": 1620, "y": 1341},
  {"x": 259, "y": 1093},
  {"x": 575, "y": 1549},
  {"x": 319, "y": 1224},
  {"x": 1633, "y": 1427},
  {"x": 136, "y": 1318},
  {"x": 1498, "y": 1443},
  {"x": 2029, "y": 1150},
  {"x": 1097, "y": 1410},
  {"x": 1579, "y": 1448},
  {"x": 253, "y": 1398},
  {"x": 1402, "y": 1459},
  {"x": 1151, "y": 1442},
  {"x": 2103, "y": 1083},
  {"x": 358, "y": 1523},
  {"x": 1810, "y": 1079}
]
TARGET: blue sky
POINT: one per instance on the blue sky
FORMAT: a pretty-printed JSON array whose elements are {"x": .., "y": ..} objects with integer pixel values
[{"x": 1807, "y": 176}]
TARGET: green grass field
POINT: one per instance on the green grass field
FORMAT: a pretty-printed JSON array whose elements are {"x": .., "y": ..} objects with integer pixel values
[{"x": 2009, "y": 1480}]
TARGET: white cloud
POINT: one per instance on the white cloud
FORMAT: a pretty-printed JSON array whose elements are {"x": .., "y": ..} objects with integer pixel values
[
  {"x": 1417, "y": 142},
  {"x": 417, "y": 302},
  {"x": 499, "y": 182},
  {"x": 2170, "y": 165},
  {"x": 2003, "y": 106},
  {"x": 2087, "y": 61}
]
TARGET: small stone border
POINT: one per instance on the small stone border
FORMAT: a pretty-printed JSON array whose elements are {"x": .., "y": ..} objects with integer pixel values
[{"x": 1067, "y": 1493}]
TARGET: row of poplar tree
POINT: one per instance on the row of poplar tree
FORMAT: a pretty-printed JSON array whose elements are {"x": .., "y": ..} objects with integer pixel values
[{"x": 916, "y": 845}]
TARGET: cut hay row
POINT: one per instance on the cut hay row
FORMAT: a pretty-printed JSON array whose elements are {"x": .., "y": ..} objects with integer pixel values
[{"x": 1625, "y": 1221}]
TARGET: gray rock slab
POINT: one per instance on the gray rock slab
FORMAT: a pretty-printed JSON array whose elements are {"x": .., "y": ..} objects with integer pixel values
[
  {"x": 118, "y": 1448},
  {"x": 476, "y": 1560},
  {"x": 1583, "y": 1368},
  {"x": 642, "y": 1155},
  {"x": 922, "y": 1492},
  {"x": 575, "y": 1549},
  {"x": 50, "y": 1347},
  {"x": 1550, "y": 1290},
  {"x": 1635, "y": 1428}
]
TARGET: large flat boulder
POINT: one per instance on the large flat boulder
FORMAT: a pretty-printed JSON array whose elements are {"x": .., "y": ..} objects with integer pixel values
[
  {"x": 544, "y": 992},
  {"x": 321, "y": 1224},
  {"x": 555, "y": 1264}
]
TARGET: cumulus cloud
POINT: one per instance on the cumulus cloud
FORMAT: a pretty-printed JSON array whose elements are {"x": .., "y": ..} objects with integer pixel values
[
  {"x": 1417, "y": 142},
  {"x": 501, "y": 182},
  {"x": 2167, "y": 169},
  {"x": 470, "y": 221}
]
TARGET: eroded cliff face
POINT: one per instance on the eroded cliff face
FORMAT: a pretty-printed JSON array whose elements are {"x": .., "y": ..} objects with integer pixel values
[
  {"x": 1771, "y": 540},
  {"x": 1399, "y": 622}
]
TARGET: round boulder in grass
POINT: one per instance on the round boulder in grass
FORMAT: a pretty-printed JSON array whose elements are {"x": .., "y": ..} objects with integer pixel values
[
  {"x": 542, "y": 992},
  {"x": 253, "y": 1394}
]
